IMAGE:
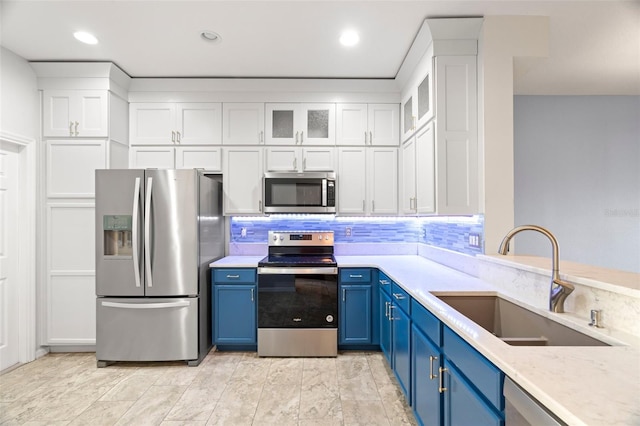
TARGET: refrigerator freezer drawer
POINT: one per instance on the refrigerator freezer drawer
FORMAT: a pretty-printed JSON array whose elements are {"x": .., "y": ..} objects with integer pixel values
[{"x": 147, "y": 329}]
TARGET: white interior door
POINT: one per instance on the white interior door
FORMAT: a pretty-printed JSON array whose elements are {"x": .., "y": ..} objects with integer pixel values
[{"x": 9, "y": 344}]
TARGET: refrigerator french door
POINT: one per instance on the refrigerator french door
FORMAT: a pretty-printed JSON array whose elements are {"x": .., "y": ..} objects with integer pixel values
[{"x": 156, "y": 233}]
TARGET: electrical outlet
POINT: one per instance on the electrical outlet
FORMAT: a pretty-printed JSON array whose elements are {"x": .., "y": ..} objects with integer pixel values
[
  {"x": 243, "y": 232},
  {"x": 474, "y": 240},
  {"x": 347, "y": 231}
]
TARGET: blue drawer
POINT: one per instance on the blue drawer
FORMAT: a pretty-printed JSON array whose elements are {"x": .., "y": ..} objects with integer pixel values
[
  {"x": 400, "y": 297},
  {"x": 426, "y": 322},
  {"x": 355, "y": 275},
  {"x": 234, "y": 276},
  {"x": 485, "y": 376},
  {"x": 384, "y": 282}
]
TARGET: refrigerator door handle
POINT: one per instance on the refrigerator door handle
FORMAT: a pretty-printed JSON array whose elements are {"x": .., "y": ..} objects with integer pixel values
[
  {"x": 179, "y": 304},
  {"x": 147, "y": 233},
  {"x": 134, "y": 232}
]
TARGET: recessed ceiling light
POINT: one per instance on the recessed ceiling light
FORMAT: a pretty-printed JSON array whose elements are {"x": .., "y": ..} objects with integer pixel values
[
  {"x": 85, "y": 37},
  {"x": 349, "y": 38},
  {"x": 211, "y": 36}
]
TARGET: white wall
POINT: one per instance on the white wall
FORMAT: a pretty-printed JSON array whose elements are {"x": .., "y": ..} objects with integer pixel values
[
  {"x": 577, "y": 172},
  {"x": 19, "y": 101}
]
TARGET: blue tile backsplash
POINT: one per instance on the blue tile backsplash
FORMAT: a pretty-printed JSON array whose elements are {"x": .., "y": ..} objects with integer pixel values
[{"x": 450, "y": 233}]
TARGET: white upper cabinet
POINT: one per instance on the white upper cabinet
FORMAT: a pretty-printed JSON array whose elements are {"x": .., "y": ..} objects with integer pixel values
[
  {"x": 457, "y": 135},
  {"x": 300, "y": 124},
  {"x": 75, "y": 113},
  {"x": 417, "y": 103},
  {"x": 373, "y": 124},
  {"x": 296, "y": 159},
  {"x": 182, "y": 157},
  {"x": 242, "y": 168},
  {"x": 425, "y": 170},
  {"x": 243, "y": 123},
  {"x": 368, "y": 181},
  {"x": 175, "y": 124}
]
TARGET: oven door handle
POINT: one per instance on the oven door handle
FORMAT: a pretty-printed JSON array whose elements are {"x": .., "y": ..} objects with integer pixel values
[{"x": 297, "y": 270}]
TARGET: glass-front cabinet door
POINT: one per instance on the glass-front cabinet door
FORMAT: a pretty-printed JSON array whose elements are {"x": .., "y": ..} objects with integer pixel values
[{"x": 300, "y": 124}]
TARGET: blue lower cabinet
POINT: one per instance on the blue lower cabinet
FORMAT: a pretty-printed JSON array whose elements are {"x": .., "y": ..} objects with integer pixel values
[
  {"x": 425, "y": 379},
  {"x": 401, "y": 346},
  {"x": 234, "y": 321},
  {"x": 385, "y": 325},
  {"x": 355, "y": 314},
  {"x": 462, "y": 405}
]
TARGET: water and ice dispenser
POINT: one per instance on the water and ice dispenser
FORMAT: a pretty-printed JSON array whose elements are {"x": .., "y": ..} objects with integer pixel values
[{"x": 117, "y": 235}]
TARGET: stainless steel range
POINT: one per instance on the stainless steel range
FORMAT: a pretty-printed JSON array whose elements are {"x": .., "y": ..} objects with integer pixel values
[{"x": 298, "y": 295}]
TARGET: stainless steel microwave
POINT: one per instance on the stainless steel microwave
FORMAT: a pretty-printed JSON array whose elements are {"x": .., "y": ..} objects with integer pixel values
[{"x": 309, "y": 192}]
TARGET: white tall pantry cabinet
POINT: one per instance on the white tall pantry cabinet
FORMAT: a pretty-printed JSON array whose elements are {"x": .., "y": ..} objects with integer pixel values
[{"x": 84, "y": 128}]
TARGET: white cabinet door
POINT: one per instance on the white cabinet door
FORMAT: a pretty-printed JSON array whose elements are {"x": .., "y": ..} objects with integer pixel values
[
  {"x": 156, "y": 157},
  {"x": 152, "y": 123},
  {"x": 209, "y": 159},
  {"x": 242, "y": 168},
  {"x": 243, "y": 123},
  {"x": 281, "y": 124},
  {"x": 408, "y": 197},
  {"x": 318, "y": 159},
  {"x": 71, "y": 167},
  {"x": 457, "y": 135},
  {"x": 318, "y": 124},
  {"x": 408, "y": 117},
  {"x": 300, "y": 124},
  {"x": 351, "y": 124},
  {"x": 384, "y": 124},
  {"x": 425, "y": 170},
  {"x": 199, "y": 123},
  {"x": 283, "y": 159},
  {"x": 75, "y": 113},
  {"x": 382, "y": 180},
  {"x": 351, "y": 183}
]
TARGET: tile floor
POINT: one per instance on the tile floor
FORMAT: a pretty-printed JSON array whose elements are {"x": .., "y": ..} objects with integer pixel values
[{"x": 227, "y": 388}]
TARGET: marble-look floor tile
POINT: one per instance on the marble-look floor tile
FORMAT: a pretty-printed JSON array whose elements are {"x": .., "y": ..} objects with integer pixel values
[
  {"x": 195, "y": 404},
  {"x": 355, "y": 379},
  {"x": 364, "y": 413},
  {"x": 130, "y": 388},
  {"x": 102, "y": 413},
  {"x": 152, "y": 406},
  {"x": 278, "y": 405}
]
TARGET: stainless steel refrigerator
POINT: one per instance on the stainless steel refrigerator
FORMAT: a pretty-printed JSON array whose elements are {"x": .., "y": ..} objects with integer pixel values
[{"x": 156, "y": 233}]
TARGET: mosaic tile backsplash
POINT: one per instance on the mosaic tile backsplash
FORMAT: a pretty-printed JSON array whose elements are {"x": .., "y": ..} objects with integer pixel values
[{"x": 450, "y": 233}]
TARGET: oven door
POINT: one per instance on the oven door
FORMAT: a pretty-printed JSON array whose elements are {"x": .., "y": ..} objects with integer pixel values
[{"x": 296, "y": 297}]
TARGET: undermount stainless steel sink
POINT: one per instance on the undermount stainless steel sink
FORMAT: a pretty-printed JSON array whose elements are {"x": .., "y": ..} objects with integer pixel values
[{"x": 514, "y": 324}]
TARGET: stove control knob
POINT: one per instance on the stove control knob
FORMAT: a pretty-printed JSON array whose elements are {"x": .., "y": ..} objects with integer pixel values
[
  {"x": 326, "y": 237},
  {"x": 320, "y": 237},
  {"x": 275, "y": 238},
  {"x": 281, "y": 237}
]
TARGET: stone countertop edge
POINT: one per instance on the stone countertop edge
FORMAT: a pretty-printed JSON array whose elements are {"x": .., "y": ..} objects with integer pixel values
[{"x": 556, "y": 376}]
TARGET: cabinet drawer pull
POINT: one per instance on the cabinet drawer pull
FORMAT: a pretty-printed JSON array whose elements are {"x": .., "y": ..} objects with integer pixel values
[
  {"x": 355, "y": 275},
  {"x": 233, "y": 277},
  {"x": 431, "y": 359},
  {"x": 295, "y": 164},
  {"x": 384, "y": 282},
  {"x": 77, "y": 128},
  {"x": 398, "y": 296},
  {"x": 344, "y": 295},
  {"x": 441, "y": 388},
  {"x": 304, "y": 164},
  {"x": 252, "y": 295}
]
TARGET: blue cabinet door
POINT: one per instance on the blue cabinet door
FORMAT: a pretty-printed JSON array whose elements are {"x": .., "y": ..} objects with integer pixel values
[
  {"x": 385, "y": 326},
  {"x": 355, "y": 314},
  {"x": 462, "y": 405},
  {"x": 425, "y": 363},
  {"x": 234, "y": 321},
  {"x": 400, "y": 340}
]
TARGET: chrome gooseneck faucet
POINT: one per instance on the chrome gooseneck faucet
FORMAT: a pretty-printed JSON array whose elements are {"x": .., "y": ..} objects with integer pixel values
[{"x": 559, "y": 289}]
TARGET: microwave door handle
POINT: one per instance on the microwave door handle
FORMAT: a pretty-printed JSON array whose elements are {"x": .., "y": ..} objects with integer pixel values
[
  {"x": 147, "y": 232},
  {"x": 134, "y": 231},
  {"x": 324, "y": 192}
]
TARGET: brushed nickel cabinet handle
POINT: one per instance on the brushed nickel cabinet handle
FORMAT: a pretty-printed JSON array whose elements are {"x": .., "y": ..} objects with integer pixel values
[
  {"x": 77, "y": 128},
  {"x": 71, "y": 128},
  {"x": 441, "y": 388},
  {"x": 173, "y": 136},
  {"x": 431, "y": 359}
]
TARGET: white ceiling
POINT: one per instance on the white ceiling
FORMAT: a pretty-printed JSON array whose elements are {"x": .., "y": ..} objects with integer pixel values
[{"x": 595, "y": 45}]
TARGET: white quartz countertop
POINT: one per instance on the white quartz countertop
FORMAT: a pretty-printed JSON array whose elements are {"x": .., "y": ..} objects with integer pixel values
[{"x": 581, "y": 385}]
